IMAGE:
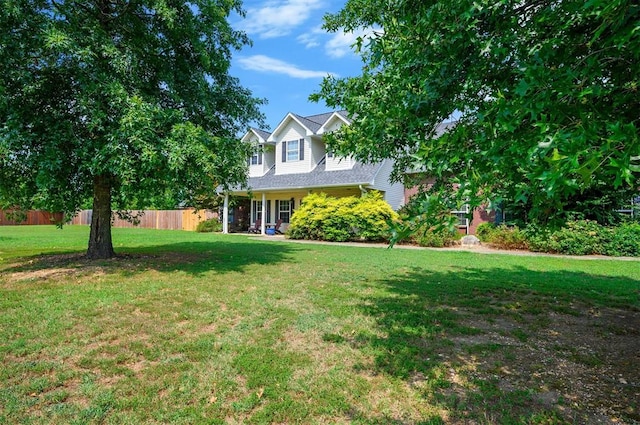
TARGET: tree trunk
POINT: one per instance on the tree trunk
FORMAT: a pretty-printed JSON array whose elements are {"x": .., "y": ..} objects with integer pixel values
[{"x": 100, "y": 245}]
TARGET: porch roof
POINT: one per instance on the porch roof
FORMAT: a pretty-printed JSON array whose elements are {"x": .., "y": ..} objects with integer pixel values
[{"x": 360, "y": 174}]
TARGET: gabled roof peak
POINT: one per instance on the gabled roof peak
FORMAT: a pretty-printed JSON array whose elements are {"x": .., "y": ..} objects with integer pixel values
[
  {"x": 262, "y": 135},
  {"x": 312, "y": 124},
  {"x": 335, "y": 116}
]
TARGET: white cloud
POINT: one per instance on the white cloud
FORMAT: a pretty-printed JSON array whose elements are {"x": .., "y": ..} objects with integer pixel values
[
  {"x": 277, "y": 18},
  {"x": 310, "y": 39},
  {"x": 342, "y": 43},
  {"x": 263, "y": 63}
]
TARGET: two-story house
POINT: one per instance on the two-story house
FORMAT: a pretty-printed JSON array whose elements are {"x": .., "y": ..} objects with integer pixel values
[{"x": 293, "y": 161}]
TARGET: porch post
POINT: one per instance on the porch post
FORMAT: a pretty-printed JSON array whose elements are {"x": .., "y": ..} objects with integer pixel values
[
  {"x": 225, "y": 214},
  {"x": 264, "y": 213}
]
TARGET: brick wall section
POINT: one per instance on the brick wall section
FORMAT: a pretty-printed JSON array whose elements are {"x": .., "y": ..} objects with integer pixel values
[{"x": 480, "y": 215}]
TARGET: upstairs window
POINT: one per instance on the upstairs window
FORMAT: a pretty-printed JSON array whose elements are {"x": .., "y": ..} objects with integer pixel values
[
  {"x": 256, "y": 158},
  {"x": 293, "y": 150}
]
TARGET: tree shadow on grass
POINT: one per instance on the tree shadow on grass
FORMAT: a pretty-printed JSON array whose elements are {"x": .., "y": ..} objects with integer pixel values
[
  {"x": 221, "y": 256},
  {"x": 509, "y": 345}
]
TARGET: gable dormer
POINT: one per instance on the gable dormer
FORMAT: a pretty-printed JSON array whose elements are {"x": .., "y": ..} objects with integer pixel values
[
  {"x": 333, "y": 162},
  {"x": 334, "y": 122},
  {"x": 263, "y": 157},
  {"x": 296, "y": 151}
]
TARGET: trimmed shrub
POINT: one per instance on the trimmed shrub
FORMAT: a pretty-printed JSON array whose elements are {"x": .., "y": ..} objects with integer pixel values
[
  {"x": 624, "y": 241},
  {"x": 538, "y": 238},
  {"x": 580, "y": 237},
  {"x": 207, "y": 226},
  {"x": 437, "y": 238},
  {"x": 484, "y": 231},
  {"x": 322, "y": 217},
  {"x": 503, "y": 236}
]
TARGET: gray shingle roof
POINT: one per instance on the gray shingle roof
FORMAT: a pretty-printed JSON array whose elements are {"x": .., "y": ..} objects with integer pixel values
[
  {"x": 320, "y": 118},
  {"x": 311, "y": 125},
  {"x": 264, "y": 134},
  {"x": 323, "y": 118},
  {"x": 319, "y": 177},
  {"x": 312, "y": 122}
]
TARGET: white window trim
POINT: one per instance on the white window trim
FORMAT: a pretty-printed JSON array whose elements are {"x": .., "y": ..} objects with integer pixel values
[
  {"x": 285, "y": 211},
  {"x": 464, "y": 210},
  {"x": 256, "y": 210},
  {"x": 256, "y": 157},
  {"x": 293, "y": 150},
  {"x": 633, "y": 207}
]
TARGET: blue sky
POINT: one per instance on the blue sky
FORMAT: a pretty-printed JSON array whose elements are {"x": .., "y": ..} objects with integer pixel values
[{"x": 291, "y": 53}]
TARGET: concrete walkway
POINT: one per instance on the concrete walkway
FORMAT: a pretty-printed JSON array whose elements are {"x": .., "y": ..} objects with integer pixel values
[{"x": 479, "y": 249}]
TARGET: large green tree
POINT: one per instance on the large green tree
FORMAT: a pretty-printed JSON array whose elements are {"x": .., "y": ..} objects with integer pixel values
[
  {"x": 125, "y": 102},
  {"x": 546, "y": 94}
]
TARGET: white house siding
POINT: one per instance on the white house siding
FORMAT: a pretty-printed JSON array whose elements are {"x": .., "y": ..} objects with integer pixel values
[
  {"x": 293, "y": 131},
  {"x": 260, "y": 169},
  {"x": 268, "y": 158},
  {"x": 393, "y": 192},
  {"x": 256, "y": 171},
  {"x": 335, "y": 163},
  {"x": 333, "y": 124},
  {"x": 317, "y": 150}
]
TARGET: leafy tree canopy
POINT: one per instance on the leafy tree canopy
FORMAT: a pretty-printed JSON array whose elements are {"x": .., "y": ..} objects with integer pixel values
[
  {"x": 546, "y": 94},
  {"x": 127, "y": 102}
]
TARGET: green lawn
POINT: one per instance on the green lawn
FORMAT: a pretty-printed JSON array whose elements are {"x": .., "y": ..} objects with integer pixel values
[{"x": 203, "y": 328}]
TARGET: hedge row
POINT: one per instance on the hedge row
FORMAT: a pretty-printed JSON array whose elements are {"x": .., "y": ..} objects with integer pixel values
[{"x": 580, "y": 237}]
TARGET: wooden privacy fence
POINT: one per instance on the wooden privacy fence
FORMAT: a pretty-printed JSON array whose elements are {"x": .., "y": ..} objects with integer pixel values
[
  {"x": 32, "y": 218},
  {"x": 156, "y": 219}
]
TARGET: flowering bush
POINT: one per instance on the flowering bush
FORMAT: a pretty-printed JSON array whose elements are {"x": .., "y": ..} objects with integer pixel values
[{"x": 322, "y": 217}]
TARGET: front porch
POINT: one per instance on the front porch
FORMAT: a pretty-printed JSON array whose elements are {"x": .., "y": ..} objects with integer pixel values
[{"x": 274, "y": 206}]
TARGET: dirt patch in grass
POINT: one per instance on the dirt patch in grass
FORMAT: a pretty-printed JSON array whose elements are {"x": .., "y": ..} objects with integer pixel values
[
  {"x": 40, "y": 274},
  {"x": 583, "y": 367},
  {"x": 65, "y": 266}
]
